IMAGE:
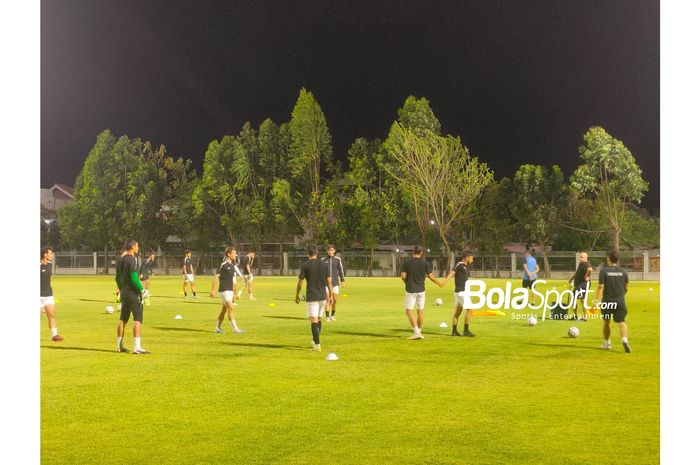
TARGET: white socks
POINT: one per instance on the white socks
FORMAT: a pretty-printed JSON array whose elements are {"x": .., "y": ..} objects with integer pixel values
[
  {"x": 233, "y": 324},
  {"x": 137, "y": 343},
  {"x": 54, "y": 331},
  {"x": 119, "y": 342}
]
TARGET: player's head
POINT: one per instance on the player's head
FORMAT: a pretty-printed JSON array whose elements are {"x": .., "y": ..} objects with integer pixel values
[
  {"x": 152, "y": 255},
  {"x": 131, "y": 245},
  {"x": 188, "y": 252},
  {"x": 47, "y": 253},
  {"x": 330, "y": 250},
  {"x": 467, "y": 256},
  {"x": 230, "y": 252},
  {"x": 417, "y": 251},
  {"x": 529, "y": 252},
  {"x": 613, "y": 257},
  {"x": 583, "y": 256},
  {"x": 251, "y": 253},
  {"x": 312, "y": 251}
]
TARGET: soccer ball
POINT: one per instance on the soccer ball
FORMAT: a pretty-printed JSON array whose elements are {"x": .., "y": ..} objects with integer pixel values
[
  {"x": 109, "y": 309},
  {"x": 573, "y": 331},
  {"x": 438, "y": 301},
  {"x": 532, "y": 321}
]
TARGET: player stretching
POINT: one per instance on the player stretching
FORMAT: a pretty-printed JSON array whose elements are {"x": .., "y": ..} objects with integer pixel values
[
  {"x": 531, "y": 269},
  {"x": 413, "y": 273},
  {"x": 461, "y": 274},
  {"x": 131, "y": 292},
  {"x": 318, "y": 277},
  {"x": 338, "y": 277},
  {"x": 46, "y": 302},
  {"x": 188, "y": 274},
  {"x": 247, "y": 266},
  {"x": 613, "y": 287},
  {"x": 146, "y": 273},
  {"x": 225, "y": 275},
  {"x": 582, "y": 281}
]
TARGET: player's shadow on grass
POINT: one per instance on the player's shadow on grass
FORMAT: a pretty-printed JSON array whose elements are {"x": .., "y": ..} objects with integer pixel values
[
  {"x": 353, "y": 333},
  {"x": 428, "y": 332},
  {"x": 568, "y": 346},
  {"x": 95, "y": 300},
  {"x": 282, "y": 317},
  {"x": 77, "y": 348},
  {"x": 265, "y": 346},
  {"x": 170, "y": 328}
]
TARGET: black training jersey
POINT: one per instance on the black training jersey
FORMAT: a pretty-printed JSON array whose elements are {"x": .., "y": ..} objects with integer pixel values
[
  {"x": 245, "y": 261},
  {"x": 147, "y": 268},
  {"x": 46, "y": 290},
  {"x": 126, "y": 266},
  {"x": 416, "y": 270},
  {"x": 187, "y": 263},
  {"x": 580, "y": 275},
  {"x": 614, "y": 279},
  {"x": 461, "y": 276},
  {"x": 335, "y": 265},
  {"x": 226, "y": 273},
  {"x": 316, "y": 273}
]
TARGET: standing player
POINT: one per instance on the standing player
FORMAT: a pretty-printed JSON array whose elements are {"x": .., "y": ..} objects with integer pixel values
[
  {"x": 613, "y": 287},
  {"x": 225, "y": 275},
  {"x": 46, "y": 301},
  {"x": 131, "y": 292},
  {"x": 338, "y": 277},
  {"x": 318, "y": 278},
  {"x": 188, "y": 274},
  {"x": 582, "y": 281},
  {"x": 247, "y": 268},
  {"x": 146, "y": 273},
  {"x": 413, "y": 273},
  {"x": 461, "y": 274},
  {"x": 531, "y": 269}
]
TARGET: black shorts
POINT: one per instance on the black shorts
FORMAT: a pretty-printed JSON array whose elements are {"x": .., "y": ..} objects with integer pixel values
[
  {"x": 527, "y": 283},
  {"x": 618, "y": 314},
  {"x": 582, "y": 289},
  {"x": 131, "y": 305}
]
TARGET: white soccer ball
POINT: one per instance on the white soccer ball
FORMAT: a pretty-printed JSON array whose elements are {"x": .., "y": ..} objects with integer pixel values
[
  {"x": 532, "y": 321},
  {"x": 573, "y": 331},
  {"x": 109, "y": 309},
  {"x": 438, "y": 301}
]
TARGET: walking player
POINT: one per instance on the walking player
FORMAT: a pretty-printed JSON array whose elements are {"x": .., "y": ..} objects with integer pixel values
[
  {"x": 131, "y": 291},
  {"x": 46, "y": 301},
  {"x": 530, "y": 268},
  {"x": 318, "y": 277},
  {"x": 413, "y": 273},
  {"x": 613, "y": 287},
  {"x": 225, "y": 275},
  {"x": 582, "y": 281},
  {"x": 461, "y": 274},
  {"x": 146, "y": 273},
  {"x": 337, "y": 276},
  {"x": 188, "y": 274},
  {"x": 247, "y": 268}
]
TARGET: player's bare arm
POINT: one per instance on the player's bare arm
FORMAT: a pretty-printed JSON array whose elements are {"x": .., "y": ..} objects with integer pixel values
[{"x": 299, "y": 284}]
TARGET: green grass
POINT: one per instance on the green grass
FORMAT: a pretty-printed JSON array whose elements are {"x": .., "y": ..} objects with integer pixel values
[{"x": 514, "y": 394}]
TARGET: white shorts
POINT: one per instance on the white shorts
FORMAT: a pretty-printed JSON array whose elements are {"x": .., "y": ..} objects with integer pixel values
[
  {"x": 336, "y": 290},
  {"x": 188, "y": 278},
  {"x": 248, "y": 277},
  {"x": 226, "y": 296},
  {"x": 416, "y": 299},
  {"x": 315, "y": 309},
  {"x": 459, "y": 300},
  {"x": 45, "y": 301}
]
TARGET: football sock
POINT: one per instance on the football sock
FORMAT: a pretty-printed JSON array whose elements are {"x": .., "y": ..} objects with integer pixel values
[
  {"x": 332, "y": 313},
  {"x": 607, "y": 341},
  {"x": 185, "y": 294},
  {"x": 624, "y": 340},
  {"x": 54, "y": 331},
  {"x": 416, "y": 330},
  {"x": 466, "y": 327},
  {"x": 233, "y": 324},
  {"x": 137, "y": 343},
  {"x": 119, "y": 342},
  {"x": 327, "y": 314},
  {"x": 315, "y": 333},
  {"x": 319, "y": 326},
  {"x": 454, "y": 328},
  {"x": 194, "y": 293}
]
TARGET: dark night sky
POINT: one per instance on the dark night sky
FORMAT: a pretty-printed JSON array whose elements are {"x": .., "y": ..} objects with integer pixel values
[{"x": 519, "y": 81}]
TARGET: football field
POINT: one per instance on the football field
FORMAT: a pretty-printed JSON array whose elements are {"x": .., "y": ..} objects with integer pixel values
[{"x": 514, "y": 394}]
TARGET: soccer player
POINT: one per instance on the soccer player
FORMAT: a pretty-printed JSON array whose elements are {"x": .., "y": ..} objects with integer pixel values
[
  {"x": 188, "y": 274},
  {"x": 131, "y": 291},
  {"x": 413, "y": 273},
  {"x": 335, "y": 265},
  {"x": 613, "y": 287},
  {"x": 146, "y": 273},
  {"x": 46, "y": 301},
  {"x": 461, "y": 275},
  {"x": 247, "y": 266},
  {"x": 531, "y": 269},
  {"x": 318, "y": 278},
  {"x": 225, "y": 275},
  {"x": 582, "y": 281}
]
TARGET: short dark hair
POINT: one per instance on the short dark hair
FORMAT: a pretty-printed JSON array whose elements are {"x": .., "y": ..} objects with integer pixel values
[
  {"x": 312, "y": 250},
  {"x": 614, "y": 256},
  {"x": 251, "y": 251},
  {"x": 417, "y": 250},
  {"x": 467, "y": 253},
  {"x": 330, "y": 246},
  {"x": 187, "y": 251},
  {"x": 129, "y": 244},
  {"x": 229, "y": 250},
  {"x": 46, "y": 249}
]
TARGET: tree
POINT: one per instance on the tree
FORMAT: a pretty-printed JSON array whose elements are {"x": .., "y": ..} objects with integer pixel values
[
  {"x": 611, "y": 175},
  {"x": 493, "y": 223},
  {"x": 539, "y": 196}
]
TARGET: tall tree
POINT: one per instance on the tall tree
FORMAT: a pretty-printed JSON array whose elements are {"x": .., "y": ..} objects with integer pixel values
[
  {"x": 493, "y": 222},
  {"x": 611, "y": 175}
]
